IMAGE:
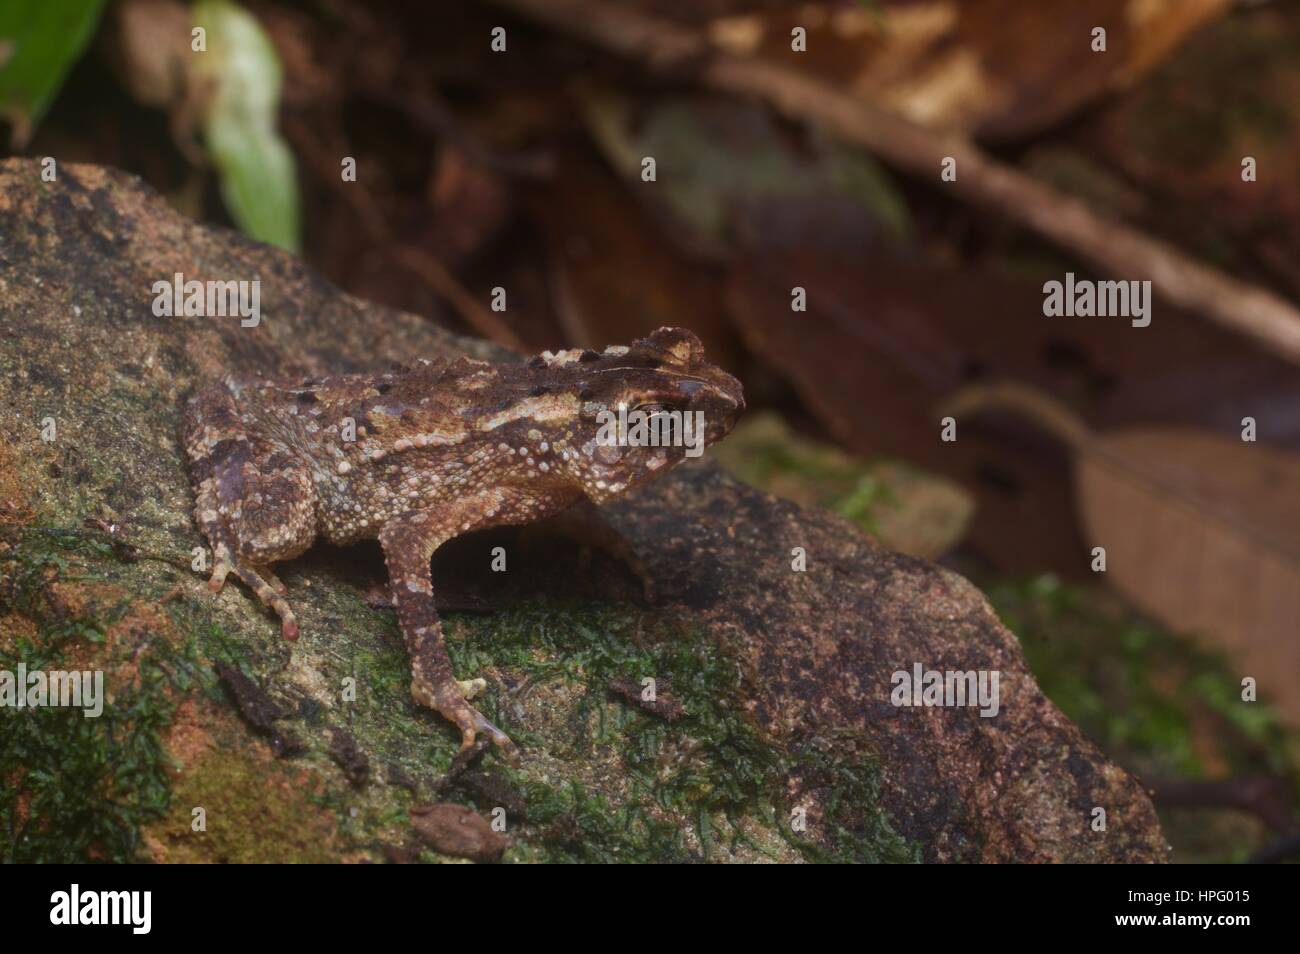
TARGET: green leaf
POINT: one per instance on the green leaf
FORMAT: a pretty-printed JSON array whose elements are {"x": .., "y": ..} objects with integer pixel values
[
  {"x": 729, "y": 169},
  {"x": 39, "y": 42},
  {"x": 258, "y": 179}
]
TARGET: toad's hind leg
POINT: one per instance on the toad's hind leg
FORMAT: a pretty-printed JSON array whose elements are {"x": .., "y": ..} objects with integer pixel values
[
  {"x": 254, "y": 501},
  {"x": 408, "y": 544}
]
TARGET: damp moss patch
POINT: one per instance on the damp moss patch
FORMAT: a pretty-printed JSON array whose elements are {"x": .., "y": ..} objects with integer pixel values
[
  {"x": 1155, "y": 702},
  {"x": 604, "y": 780},
  {"x": 74, "y": 788},
  {"x": 232, "y": 807}
]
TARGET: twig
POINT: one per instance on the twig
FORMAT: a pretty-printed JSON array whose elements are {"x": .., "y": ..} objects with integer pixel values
[
  {"x": 481, "y": 319},
  {"x": 426, "y": 266},
  {"x": 1267, "y": 797},
  {"x": 1280, "y": 850},
  {"x": 321, "y": 157},
  {"x": 1112, "y": 247},
  {"x": 431, "y": 116},
  {"x": 171, "y": 594}
]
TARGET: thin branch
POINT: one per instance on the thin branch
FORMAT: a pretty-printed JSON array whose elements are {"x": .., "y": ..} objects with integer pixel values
[
  {"x": 1112, "y": 247},
  {"x": 1278, "y": 851},
  {"x": 431, "y": 116},
  {"x": 1267, "y": 797},
  {"x": 423, "y": 264},
  {"x": 450, "y": 290}
]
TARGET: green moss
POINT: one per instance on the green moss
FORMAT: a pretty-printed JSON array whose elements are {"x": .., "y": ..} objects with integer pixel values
[
  {"x": 906, "y": 509},
  {"x": 255, "y": 812},
  {"x": 765, "y": 453},
  {"x": 601, "y": 779},
  {"x": 1155, "y": 702},
  {"x": 687, "y": 789},
  {"x": 860, "y": 832},
  {"x": 1142, "y": 692},
  {"x": 74, "y": 788}
]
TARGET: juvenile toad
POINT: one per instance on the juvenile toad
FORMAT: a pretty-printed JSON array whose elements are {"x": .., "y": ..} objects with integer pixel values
[{"x": 437, "y": 450}]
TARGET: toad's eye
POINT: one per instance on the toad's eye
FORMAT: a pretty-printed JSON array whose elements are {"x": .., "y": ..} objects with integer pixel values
[{"x": 653, "y": 408}]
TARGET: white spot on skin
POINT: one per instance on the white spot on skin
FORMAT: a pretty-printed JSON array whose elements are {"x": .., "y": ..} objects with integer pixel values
[{"x": 561, "y": 358}]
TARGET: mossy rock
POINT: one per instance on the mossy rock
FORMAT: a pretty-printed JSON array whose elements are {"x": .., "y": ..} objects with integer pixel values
[{"x": 782, "y": 742}]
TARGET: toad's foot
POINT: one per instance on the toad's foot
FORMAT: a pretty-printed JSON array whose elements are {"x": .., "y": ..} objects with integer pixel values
[
  {"x": 408, "y": 543},
  {"x": 260, "y": 580},
  {"x": 449, "y": 699}
]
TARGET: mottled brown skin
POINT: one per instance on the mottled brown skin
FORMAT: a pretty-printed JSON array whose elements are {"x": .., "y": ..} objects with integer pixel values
[{"x": 441, "y": 449}]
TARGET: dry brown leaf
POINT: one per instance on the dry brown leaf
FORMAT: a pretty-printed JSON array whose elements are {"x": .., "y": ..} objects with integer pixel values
[
  {"x": 1200, "y": 531},
  {"x": 148, "y": 46},
  {"x": 886, "y": 337},
  {"x": 459, "y": 831},
  {"x": 1002, "y": 68},
  {"x": 613, "y": 277}
]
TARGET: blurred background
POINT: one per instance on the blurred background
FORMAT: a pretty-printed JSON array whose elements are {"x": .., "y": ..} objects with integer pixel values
[{"x": 422, "y": 155}]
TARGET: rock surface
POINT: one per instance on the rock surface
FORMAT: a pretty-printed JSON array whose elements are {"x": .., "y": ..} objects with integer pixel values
[{"x": 785, "y": 744}]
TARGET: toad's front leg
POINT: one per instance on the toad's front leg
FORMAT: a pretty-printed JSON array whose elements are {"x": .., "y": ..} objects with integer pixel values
[
  {"x": 409, "y": 542},
  {"x": 254, "y": 499}
]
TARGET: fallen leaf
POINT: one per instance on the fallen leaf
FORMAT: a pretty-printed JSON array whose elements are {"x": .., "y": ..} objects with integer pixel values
[
  {"x": 885, "y": 338},
  {"x": 470, "y": 206},
  {"x": 456, "y": 830},
  {"x": 728, "y": 176},
  {"x": 1181, "y": 138},
  {"x": 1001, "y": 69},
  {"x": 1199, "y": 530},
  {"x": 612, "y": 276},
  {"x": 906, "y": 509}
]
